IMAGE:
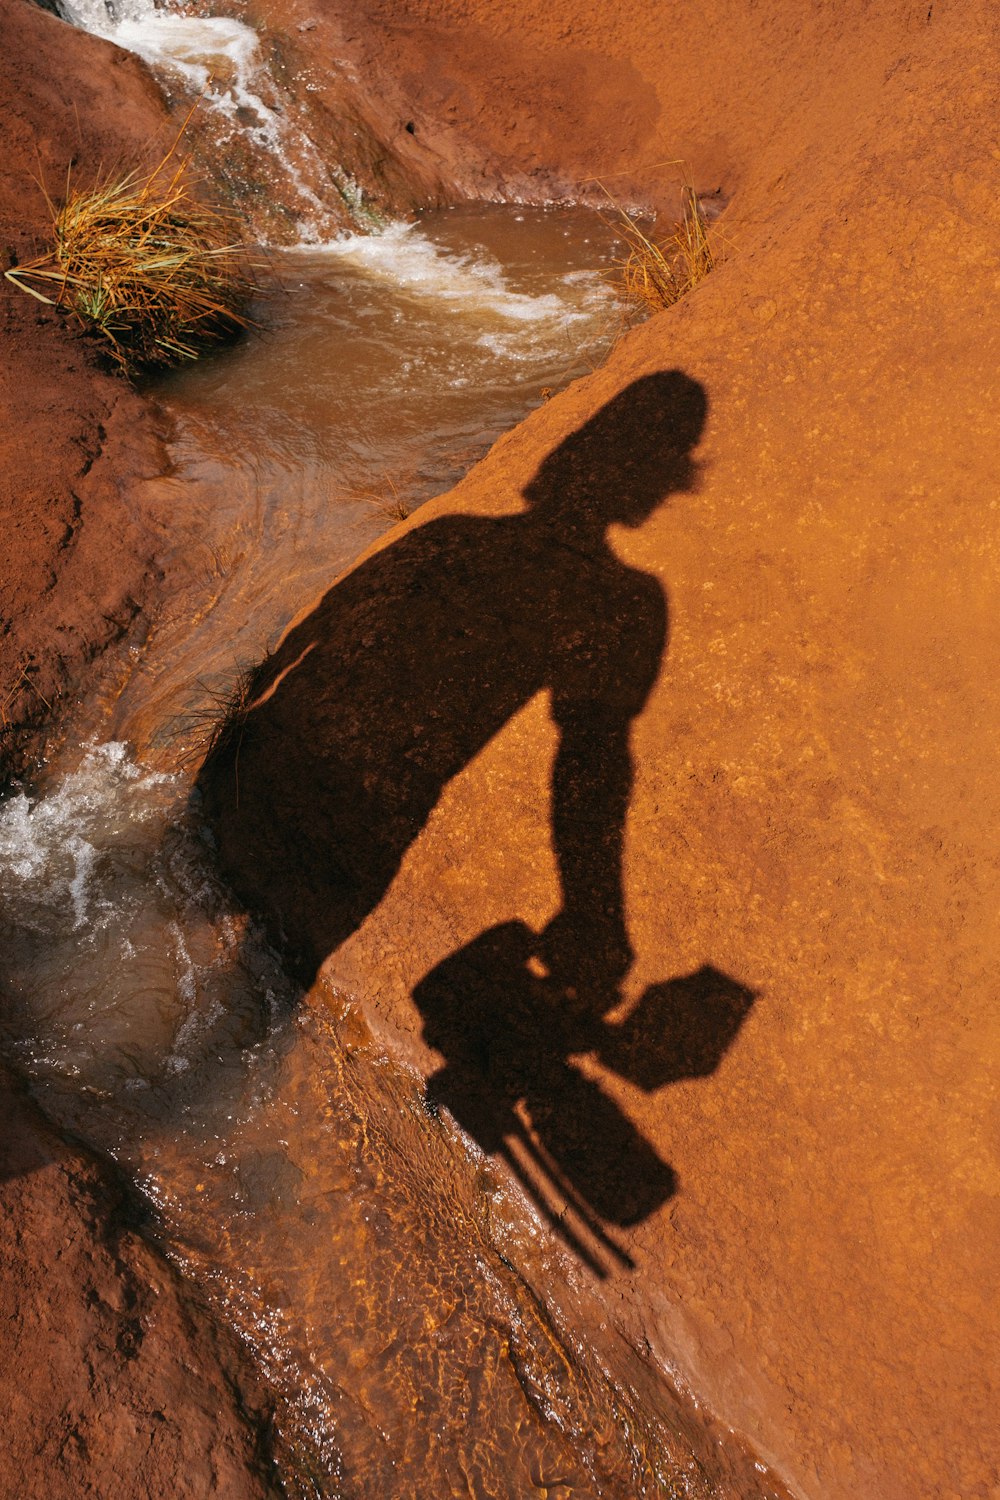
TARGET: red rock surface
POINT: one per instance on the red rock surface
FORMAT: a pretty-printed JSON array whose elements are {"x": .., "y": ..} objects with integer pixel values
[
  {"x": 812, "y": 805},
  {"x": 77, "y": 548},
  {"x": 112, "y": 1382},
  {"x": 809, "y": 780}
]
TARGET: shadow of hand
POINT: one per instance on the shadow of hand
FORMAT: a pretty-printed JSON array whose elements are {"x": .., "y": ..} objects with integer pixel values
[{"x": 510, "y": 1031}]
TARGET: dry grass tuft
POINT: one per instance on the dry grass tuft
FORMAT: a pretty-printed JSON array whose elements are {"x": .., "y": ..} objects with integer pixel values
[
  {"x": 216, "y": 725},
  {"x": 651, "y": 276},
  {"x": 21, "y": 681},
  {"x": 141, "y": 261},
  {"x": 394, "y": 508}
]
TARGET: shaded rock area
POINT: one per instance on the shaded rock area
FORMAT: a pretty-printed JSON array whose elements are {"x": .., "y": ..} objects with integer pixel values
[
  {"x": 112, "y": 1382},
  {"x": 339, "y": 161},
  {"x": 769, "y": 800}
]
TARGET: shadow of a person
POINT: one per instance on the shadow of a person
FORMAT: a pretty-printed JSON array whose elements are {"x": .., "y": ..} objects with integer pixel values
[
  {"x": 405, "y": 669},
  {"x": 510, "y": 1033}
]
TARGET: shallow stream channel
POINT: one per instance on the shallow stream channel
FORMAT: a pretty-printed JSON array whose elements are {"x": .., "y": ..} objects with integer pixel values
[{"x": 392, "y": 1286}]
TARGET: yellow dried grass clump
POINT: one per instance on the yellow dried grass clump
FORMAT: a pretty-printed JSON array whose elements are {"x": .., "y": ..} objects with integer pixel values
[
  {"x": 140, "y": 260},
  {"x": 651, "y": 276}
]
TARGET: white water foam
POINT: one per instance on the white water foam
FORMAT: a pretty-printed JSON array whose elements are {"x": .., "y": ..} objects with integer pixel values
[
  {"x": 49, "y": 847},
  {"x": 116, "y": 955},
  {"x": 217, "y": 59},
  {"x": 193, "y": 46},
  {"x": 402, "y": 255}
]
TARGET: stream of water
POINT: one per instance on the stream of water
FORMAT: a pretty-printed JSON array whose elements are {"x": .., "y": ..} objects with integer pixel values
[
  {"x": 217, "y": 61},
  {"x": 388, "y": 365},
  {"x": 365, "y": 1252}
]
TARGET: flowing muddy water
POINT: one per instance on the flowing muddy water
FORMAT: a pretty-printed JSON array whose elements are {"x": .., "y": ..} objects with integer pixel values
[
  {"x": 388, "y": 365},
  {"x": 361, "y": 1246}
]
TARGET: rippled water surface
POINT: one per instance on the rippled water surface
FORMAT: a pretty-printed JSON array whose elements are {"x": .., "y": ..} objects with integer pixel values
[
  {"x": 384, "y": 367},
  {"x": 362, "y": 1247}
]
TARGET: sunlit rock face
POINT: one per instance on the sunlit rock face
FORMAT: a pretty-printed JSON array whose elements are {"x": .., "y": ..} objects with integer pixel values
[
  {"x": 802, "y": 846},
  {"x": 812, "y": 799}
]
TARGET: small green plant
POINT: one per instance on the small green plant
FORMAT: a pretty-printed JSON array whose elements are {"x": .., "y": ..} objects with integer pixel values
[
  {"x": 651, "y": 275},
  {"x": 145, "y": 264}
]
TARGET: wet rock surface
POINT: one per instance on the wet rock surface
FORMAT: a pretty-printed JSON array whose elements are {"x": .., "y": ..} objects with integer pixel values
[
  {"x": 78, "y": 548},
  {"x": 113, "y": 1382}
]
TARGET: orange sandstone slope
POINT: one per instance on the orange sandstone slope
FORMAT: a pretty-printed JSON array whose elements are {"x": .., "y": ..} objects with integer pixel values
[{"x": 792, "y": 801}]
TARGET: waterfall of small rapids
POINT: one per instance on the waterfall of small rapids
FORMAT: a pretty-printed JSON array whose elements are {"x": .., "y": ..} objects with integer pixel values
[
  {"x": 362, "y": 1247},
  {"x": 217, "y": 60}
]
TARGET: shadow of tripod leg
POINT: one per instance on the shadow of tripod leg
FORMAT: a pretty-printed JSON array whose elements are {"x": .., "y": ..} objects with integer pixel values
[{"x": 606, "y": 1162}]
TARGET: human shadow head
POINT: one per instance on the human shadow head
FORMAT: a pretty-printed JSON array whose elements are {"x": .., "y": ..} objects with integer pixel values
[
  {"x": 406, "y": 669},
  {"x": 623, "y": 463},
  {"x": 415, "y": 660}
]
